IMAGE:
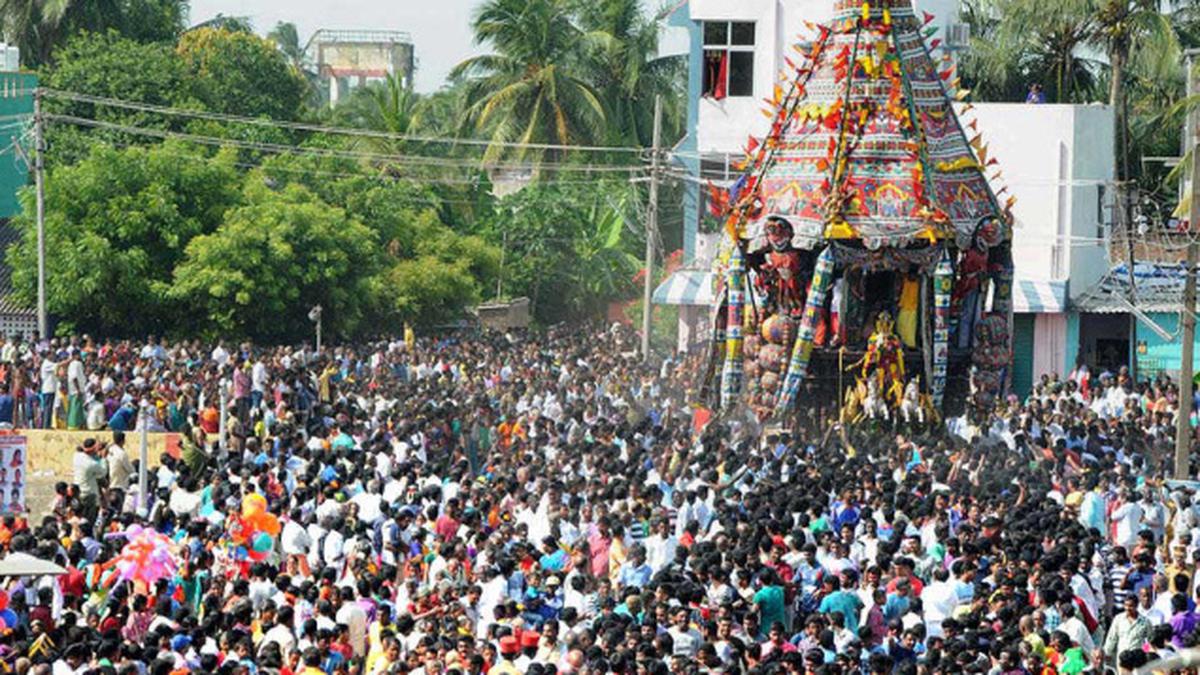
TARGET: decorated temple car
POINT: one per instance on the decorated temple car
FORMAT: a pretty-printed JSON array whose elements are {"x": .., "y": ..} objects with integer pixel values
[{"x": 866, "y": 259}]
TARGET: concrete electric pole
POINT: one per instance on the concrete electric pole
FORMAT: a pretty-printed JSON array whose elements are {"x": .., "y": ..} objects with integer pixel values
[
  {"x": 651, "y": 231},
  {"x": 1183, "y": 421}
]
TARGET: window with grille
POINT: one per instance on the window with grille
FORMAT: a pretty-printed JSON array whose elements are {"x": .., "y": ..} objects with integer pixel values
[{"x": 728, "y": 59}]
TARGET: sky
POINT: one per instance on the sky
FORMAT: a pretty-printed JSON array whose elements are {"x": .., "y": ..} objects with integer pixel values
[{"x": 440, "y": 28}]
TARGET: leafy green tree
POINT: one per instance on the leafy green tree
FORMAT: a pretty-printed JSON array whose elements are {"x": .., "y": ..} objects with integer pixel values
[
  {"x": 241, "y": 74},
  {"x": 38, "y": 27},
  {"x": 287, "y": 40},
  {"x": 428, "y": 290},
  {"x": 117, "y": 223},
  {"x": 271, "y": 260},
  {"x": 567, "y": 248},
  {"x": 144, "y": 20},
  {"x": 1019, "y": 42},
  {"x": 390, "y": 107},
  {"x": 1125, "y": 29},
  {"x": 442, "y": 274},
  {"x": 112, "y": 66},
  {"x": 531, "y": 88},
  {"x": 621, "y": 55}
]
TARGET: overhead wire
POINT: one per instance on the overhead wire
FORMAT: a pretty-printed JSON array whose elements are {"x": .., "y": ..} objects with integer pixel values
[
  {"x": 343, "y": 174},
  {"x": 320, "y": 128},
  {"x": 279, "y": 148}
]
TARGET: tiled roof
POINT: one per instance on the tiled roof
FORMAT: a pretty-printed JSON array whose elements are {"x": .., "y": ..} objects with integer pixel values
[{"x": 1158, "y": 287}]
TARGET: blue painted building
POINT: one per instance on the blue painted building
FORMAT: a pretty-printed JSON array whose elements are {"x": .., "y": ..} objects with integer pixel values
[{"x": 1111, "y": 334}]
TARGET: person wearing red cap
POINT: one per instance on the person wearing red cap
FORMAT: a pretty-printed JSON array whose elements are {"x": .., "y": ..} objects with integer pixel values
[
  {"x": 529, "y": 648},
  {"x": 510, "y": 648}
]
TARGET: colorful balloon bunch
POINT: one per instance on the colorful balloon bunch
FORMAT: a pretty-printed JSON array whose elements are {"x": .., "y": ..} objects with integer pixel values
[
  {"x": 146, "y": 557},
  {"x": 253, "y": 532}
]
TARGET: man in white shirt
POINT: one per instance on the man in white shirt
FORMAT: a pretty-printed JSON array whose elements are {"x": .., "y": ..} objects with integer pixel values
[
  {"x": 686, "y": 640},
  {"x": 281, "y": 633},
  {"x": 660, "y": 546},
  {"x": 258, "y": 382},
  {"x": 939, "y": 600},
  {"x": 119, "y": 466},
  {"x": 220, "y": 355},
  {"x": 48, "y": 375},
  {"x": 1076, "y": 629},
  {"x": 369, "y": 502},
  {"x": 1128, "y": 517},
  {"x": 353, "y": 617},
  {"x": 294, "y": 539}
]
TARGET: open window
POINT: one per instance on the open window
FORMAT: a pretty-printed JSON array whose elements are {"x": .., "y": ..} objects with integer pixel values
[{"x": 728, "y": 59}]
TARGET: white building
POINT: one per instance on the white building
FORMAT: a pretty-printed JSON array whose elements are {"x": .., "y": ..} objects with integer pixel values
[{"x": 1057, "y": 161}]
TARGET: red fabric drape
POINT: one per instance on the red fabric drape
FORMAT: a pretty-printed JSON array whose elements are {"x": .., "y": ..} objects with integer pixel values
[{"x": 719, "y": 91}]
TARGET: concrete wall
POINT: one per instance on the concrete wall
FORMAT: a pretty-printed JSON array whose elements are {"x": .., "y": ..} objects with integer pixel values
[
  {"x": 51, "y": 455},
  {"x": 1049, "y": 344},
  {"x": 724, "y": 126},
  {"x": 1056, "y": 160}
]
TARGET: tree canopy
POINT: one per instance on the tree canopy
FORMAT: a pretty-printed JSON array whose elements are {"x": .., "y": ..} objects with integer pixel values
[{"x": 242, "y": 231}]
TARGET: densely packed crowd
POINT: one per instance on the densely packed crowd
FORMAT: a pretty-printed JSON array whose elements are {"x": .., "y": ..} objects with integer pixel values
[{"x": 544, "y": 504}]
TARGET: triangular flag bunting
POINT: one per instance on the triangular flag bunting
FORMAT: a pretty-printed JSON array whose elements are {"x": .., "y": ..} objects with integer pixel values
[{"x": 928, "y": 18}]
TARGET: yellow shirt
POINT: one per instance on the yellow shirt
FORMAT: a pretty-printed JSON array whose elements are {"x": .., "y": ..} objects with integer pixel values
[{"x": 616, "y": 558}]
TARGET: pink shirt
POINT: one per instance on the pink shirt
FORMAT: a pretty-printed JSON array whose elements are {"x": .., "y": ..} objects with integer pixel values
[{"x": 598, "y": 546}]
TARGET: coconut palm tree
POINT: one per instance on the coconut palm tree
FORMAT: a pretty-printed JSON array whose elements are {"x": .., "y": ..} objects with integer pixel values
[
  {"x": 531, "y": 89},
  {"x": 1019, "y": 42},
  {"x": 388, "y": 106},
  {"x": 287, "y": 39},
  {"x": 1127, "y": 29},
  {"x": 621, "y": 48}
]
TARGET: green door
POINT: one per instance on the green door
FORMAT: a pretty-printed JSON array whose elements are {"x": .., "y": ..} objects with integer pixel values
[{"x": 1022, "y": 379}]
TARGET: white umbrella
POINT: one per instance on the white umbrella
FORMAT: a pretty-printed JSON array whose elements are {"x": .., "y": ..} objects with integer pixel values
[{"x": 25, "y": 565}]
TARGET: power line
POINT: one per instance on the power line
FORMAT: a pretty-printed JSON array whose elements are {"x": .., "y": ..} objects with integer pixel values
[
  {"x": 344, "y": 174},
  {"x": 278, "y": 148},
  {"x": 304, "y": 126}
]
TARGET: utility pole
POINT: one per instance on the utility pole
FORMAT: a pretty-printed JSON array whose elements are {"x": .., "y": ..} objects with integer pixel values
[
  {"x": 500, "y": 276},
  {"x": 143, "y": 501},
  {"x": 314, "y": 315},
  {"x": 40, "y": 188},
  {"x": 1183, "y": 421},
  {"x": 651, "y": 230},
  {"x": 223, "y": 419}
]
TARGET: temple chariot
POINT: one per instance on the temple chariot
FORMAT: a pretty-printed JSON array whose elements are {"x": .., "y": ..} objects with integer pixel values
[{"x": 866, "y": 259}]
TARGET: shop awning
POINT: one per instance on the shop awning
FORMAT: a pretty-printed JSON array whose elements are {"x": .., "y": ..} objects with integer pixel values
[
  {"x": 1158, "y": 287},
  {"x": 685, "y": 287},
  {"x": 1039, "y": 297}
]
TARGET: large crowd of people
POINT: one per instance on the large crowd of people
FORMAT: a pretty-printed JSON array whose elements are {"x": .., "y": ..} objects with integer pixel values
[{"x": 496, "y": 504}]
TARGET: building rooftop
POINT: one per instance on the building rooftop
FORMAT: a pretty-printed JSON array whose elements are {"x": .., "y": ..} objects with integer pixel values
[
  {"x": 1158, "y": 288},
  {"x": 358, "y": 36}
]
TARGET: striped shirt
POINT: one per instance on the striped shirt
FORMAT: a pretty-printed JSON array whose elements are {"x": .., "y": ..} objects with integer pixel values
[{"x": 1116, "y": 582}]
